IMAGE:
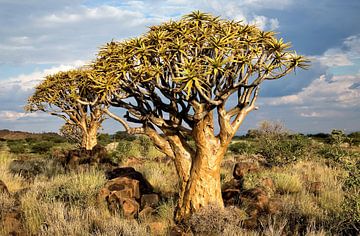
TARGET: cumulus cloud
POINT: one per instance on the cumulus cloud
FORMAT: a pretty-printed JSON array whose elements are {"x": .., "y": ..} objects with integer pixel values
[
  {"x": 325, "y": 92},
  {"x": 13, "y": 115},
  {"x": 343, "y": 55},
  {"x": 27, "y": 82}
]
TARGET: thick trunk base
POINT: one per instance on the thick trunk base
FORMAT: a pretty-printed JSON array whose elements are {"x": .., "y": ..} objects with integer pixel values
[{"x": 202, "y": 189}]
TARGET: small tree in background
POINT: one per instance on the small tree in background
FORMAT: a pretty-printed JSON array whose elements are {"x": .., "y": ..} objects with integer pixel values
[
  {"x": 68, "y": 95},
  {"x": 175, "y": 77},
  {"x": 72, "y": 133}
]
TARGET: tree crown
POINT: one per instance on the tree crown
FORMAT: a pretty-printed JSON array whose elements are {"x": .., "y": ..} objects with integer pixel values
[{"x": 187, "y": 68}]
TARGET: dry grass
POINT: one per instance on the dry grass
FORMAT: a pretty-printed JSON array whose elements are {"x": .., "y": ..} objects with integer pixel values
[
  {"x": 65, "y": 204},
  {"x": 163, "y": 177}
]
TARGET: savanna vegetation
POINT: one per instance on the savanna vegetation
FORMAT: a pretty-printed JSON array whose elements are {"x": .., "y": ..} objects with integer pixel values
[
  {"x": 312, "y": 185},
  {"x": 171, "y": 172}
]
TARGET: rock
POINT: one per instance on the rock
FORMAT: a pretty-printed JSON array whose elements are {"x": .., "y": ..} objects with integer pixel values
[
  {"x": 11, "y": 223},
  {"x": 256, "y": 198},
  {"x": 124, "y": 193},
  {"x": 234, "y": 184},
  {"x": 156, "y": 228},
  {"x": 250, "y": 223},
  {"x": 146, "y": 213},
  {"x": 242, "y": 168},
  {"x": 119, "y": 172},
  {"x": 122, "y": 183},
  {"x": 3, "y": 188},
  {"x": 274, "y": 206},
  {"x": 268, "y": 183},
  {"x": 231, "y": 197},
  {"x": 131, "y": 173},
  {"x": 130, "y": 207},
  {"x": 151, "y": 200}
]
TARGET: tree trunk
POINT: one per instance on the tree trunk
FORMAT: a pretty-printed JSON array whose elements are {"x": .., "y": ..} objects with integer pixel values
[
  {"x": 203, "y": 187},
  {"x": 89, "y": 139}
]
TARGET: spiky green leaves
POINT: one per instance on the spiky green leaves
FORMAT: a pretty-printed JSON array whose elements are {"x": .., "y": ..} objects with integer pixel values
[{"x": 199, "y": 52}]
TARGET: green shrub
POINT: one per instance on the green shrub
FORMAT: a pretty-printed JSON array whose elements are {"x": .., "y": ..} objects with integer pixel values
[
  {"x": 242, "y": 148},
  {"x": 42, "y": 147},
  {"x": 17, "y": 147},
  {"x": 281, "y": 150},
  {"x": 333, "y": 153},
  {"x": 337, "y": 137},
  {"x": 104, "y": 139}
]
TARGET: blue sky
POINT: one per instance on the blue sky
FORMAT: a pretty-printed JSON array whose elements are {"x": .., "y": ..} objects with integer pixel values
[{"x": 42, "y": 37}]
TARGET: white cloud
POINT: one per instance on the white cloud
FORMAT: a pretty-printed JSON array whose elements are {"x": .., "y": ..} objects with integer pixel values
[
  {"x": 29, "y": 81},
  {"x": 342, "y": 56},
  {"x": 330, "y": 92},
  {"x": 13, "y": 115}
]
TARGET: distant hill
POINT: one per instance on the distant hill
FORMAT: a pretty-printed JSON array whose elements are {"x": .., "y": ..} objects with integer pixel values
[{"x": 16, "y": 135}]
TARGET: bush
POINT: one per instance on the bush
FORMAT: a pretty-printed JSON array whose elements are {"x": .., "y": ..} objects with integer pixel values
[
  {"x": 104, "y": 139},
  {"x": 281, "y": 149},
  {"x": 333, "y": 153},
  {"x": 17, "y": 147},
  {"x": 42, "y": 147},
  {"x": 242, "y": 148}
]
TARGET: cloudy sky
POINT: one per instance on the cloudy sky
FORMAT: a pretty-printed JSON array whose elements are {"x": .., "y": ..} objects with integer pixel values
[{"x": 42, "y": 37}]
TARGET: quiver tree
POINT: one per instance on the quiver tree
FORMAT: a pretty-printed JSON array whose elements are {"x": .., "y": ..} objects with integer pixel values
[
  {"x": 68, "y": 95},
  {"x": 183, "y": 79}
]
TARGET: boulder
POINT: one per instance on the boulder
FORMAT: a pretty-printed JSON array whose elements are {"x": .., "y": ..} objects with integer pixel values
[
  {"x": 268, "y": 183},
  {"x": 130, "y": 207},
  {"x": 122, "y": 183},
  {"x": 119, "y": 172},
  {"x": 131, "y": 173},
  {"x": 242, "y": 168},
  {"x": 151, "y": 200},
  {"x": 11, "y": 223},
  {"x": 3, "y": 188},
  {"x": 146, "y": 213},
  {"x": 231, "y": 196},
  {"x": 256, "y": 198}
]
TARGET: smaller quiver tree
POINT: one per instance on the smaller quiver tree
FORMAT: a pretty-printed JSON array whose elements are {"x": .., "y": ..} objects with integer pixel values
[
  {"x": 68, "y": 95},
  {"x": 174, "y": 78}
]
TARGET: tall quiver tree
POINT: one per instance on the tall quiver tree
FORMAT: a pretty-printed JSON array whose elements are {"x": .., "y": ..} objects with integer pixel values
[
  {"x": 69, "y": 96},
  {"x": 175, "y": 77}
]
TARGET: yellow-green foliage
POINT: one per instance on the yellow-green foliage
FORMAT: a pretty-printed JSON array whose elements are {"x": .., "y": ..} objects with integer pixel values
[
  {"x": 75, "y": 188},
  {"x": 162, "y": 176},
  {"x": 287, "y": 183}
]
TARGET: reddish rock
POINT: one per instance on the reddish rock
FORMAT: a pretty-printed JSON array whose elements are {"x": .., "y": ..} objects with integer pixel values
[
  {"x": 242, "y": 168},
  {"x": 234, "y": 184},
  {"x": 119, "y": 172},
  {"x": 151, "y": 200},
  {"x": 129, "y": 207},
  {"x": 11, "y": 223},
  {"x": 129, "y": 172},
  {"x": 231, "y": 196},
  {"x": 256, "y": 197},
  {"x": 122, "y": 183},
  {"x": 146, "y": 213},
  {"x": 268, "y": 183},
  {"x": 3, "y": 188}
]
